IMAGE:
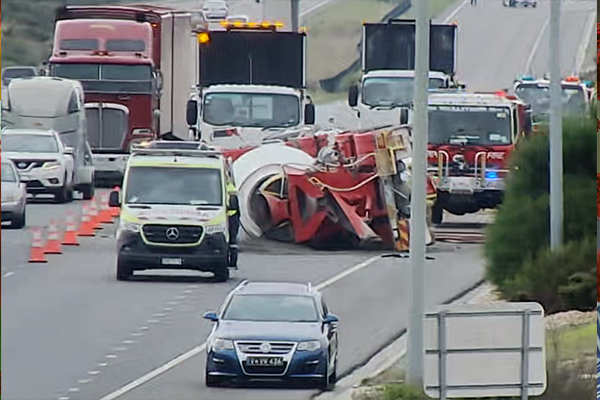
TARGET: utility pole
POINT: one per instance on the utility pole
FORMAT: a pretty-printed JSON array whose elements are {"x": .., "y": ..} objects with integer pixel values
[
  {"x": 418, "y": 196},
  {"x": 556, "y": 147},
  {"x": 295, "y": 15}
]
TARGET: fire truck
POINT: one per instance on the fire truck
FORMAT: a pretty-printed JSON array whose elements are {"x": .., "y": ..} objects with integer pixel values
[
  {"x": 252, "y": 84},
  {"x": 471, "y": 137},
  {"x": 576, "y": 96},
  {"x": 127, "y": 58}
]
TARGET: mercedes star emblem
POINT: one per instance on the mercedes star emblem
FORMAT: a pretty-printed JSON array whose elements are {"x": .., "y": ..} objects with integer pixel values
[
  {"x": 265, "y": 347},
  {"x": 172, "y": 233}
]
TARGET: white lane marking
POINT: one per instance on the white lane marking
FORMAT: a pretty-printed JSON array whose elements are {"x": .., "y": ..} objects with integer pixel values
[
  {"x": 536, "y": 45},
  {"x": 137, "y": 334},
  {"x": 73, "y": 390},
  {"x": 144, "y": 328},
  {"x": 111, "y": 356},
  {"x": 128, "y": 341},
  {"x": 456, "y": 11},
  {"x": 123, "y": 348},
  {"x": 84, "y": 381},
  {"x": 93, "y": 372},
  {"x": 102, "y": 364},
  {"x": 167, "y": 309},
  {"x": 6, "y": 275},
  {"x": 198, "y": 349},
  {"x": 585, "y": 42},
  {"x": 159, "y": 315},
  {"x": 63, "y": 398}
]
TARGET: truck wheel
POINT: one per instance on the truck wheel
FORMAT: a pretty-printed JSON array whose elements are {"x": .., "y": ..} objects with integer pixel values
[
  {"x": 123, "y": 272},
  {"x": 222, "y": 273},
  {"x": 437, "y": 213},
  {"x": 87, "y": 191}
]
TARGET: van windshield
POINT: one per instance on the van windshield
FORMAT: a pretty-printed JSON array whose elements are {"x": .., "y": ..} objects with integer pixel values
[{"x": 174, "y": 186}]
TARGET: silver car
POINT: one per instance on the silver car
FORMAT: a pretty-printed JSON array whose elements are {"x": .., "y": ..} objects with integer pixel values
[
  {"x": 215, "y": 9},
  {"x": 14, "y": 196}
]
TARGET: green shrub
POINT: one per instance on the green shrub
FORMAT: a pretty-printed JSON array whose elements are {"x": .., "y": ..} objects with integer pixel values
[
  {"x": 521, "y": 230},
  {"x": 560, "y": 280}
]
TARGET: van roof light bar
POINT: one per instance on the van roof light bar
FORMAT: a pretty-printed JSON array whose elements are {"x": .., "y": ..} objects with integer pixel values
[{"x": 141, "y": 151}]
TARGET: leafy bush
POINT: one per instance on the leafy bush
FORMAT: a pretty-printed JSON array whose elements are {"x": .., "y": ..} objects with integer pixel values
[
  {"x": 403, "y": 392},
  {"x": 522, "y": 226}
]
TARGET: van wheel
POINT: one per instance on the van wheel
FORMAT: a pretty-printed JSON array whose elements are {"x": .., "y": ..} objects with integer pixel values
[
  {"x": 124, "y": 273},
  {"x": 61, "y": 195},
  {"x": 18, "y": 222},
  {"x": 87, "y": 191},
  {"x": 222, "y": 273}
]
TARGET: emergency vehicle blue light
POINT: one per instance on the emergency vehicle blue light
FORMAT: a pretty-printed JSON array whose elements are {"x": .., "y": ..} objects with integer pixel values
[
  {"x": 491, "y": 175},
  {"x": 527, "y": 78}
]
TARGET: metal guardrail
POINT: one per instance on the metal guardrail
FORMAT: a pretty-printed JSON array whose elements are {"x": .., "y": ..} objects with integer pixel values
[{"x": 331, "y": 85}]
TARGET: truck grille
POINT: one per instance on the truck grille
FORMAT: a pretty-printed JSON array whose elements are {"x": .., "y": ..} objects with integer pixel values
[
  {"x": 255, "y": 347},
  {"x": 172, "y": 234},
  {"x": 107, "y": 127}
]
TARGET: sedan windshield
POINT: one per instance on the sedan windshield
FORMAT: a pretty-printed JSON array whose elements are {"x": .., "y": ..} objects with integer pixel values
[
  {"x": 469, "y": 125},
  {"x": 29, "y": 143},
  {"x": 251, "y": 109},
  {"x": 174, "y": 186},
  {"x": 384, "y": 91},
  {"x": 271, "y": 308},
  {"x": 8, "y": 175}
]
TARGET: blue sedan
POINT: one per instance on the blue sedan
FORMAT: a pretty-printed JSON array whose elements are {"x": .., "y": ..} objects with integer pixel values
[{"x": 273, "y": 331}]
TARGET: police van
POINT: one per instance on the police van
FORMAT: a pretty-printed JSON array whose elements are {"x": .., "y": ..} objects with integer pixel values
[{"x": 174, "y": 206}]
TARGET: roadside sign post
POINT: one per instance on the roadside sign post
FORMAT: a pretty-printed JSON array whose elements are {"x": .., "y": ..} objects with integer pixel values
[
  {"x": 418, "y": 206},
  {"x": 485, "y": 351},
  {"x": 556, "y": 151}
]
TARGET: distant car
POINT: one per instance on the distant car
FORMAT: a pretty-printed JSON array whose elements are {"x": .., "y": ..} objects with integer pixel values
[
  {"x": 42, "y": 160},
  {"x": 524, "y": 3},
  {"x": 215, "y": 9},
  {"x": 238, "y": 18},
  {"x": 274, "y": 331},
  {"x": 14, "y": 196},
  {"x": 10, "y": 73}
]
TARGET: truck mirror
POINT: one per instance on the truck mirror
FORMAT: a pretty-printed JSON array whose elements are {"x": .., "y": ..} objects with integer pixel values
[
  {"x": 309, "y": 114},
  {"x": 353, "y": 96},
  {"x": 191, "y": 114},
  {"x": 156, "y": 114},
  {"x": 403, "y": 116}
]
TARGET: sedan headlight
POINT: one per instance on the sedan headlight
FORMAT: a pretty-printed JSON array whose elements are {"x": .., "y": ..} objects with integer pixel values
[
  {"x": 51, "y": 165},
  {"x": 222, "y": 344},
  {"x": 311, "y": 345},
  {"x": 216, "y": 228},
  {"x": 129, "y": 226}
]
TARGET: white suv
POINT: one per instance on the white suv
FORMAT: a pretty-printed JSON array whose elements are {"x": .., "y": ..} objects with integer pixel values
[{"x": 44, "y": 163}]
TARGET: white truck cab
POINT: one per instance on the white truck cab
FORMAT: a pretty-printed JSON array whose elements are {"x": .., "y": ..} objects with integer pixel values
[
  {"x": 385, "y": 92},
  {"x": 252, "y": 85}
]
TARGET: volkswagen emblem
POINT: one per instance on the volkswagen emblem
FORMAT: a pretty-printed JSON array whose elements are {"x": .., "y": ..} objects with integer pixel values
[
  {"x": 172, "y": 233},
  {"x": 265, "y": 348}
]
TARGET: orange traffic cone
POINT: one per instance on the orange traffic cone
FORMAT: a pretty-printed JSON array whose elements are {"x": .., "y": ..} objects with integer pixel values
[
  {"x": 70, "y": 237},
  {"x": 37, "y": 247},
  {"x": 105, "y": 216},
  {"x": 94, "y": 215},
  {"x": 115, "y": 211},
  {"x": 53, "y": 244},
  {"x": 86, "y": 228}
]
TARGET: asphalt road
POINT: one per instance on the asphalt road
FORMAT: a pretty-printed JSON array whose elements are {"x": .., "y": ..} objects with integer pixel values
[{"x": 71, "y": 331}]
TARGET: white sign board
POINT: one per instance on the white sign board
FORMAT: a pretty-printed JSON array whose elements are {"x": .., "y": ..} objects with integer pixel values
[{"x": 478, "y": 351}]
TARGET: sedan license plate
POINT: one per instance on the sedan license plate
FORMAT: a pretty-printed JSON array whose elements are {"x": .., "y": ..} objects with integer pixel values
[
  {"x": 172, "y": 261},
  {"x": 265, "y": 361},
  {"x": 461, "y": 185}
]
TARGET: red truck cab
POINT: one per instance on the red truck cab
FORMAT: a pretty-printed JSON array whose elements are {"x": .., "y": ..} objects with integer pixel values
[
  {"x": 113, "y": 59},
  {"x": 471, "y": 137}
]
